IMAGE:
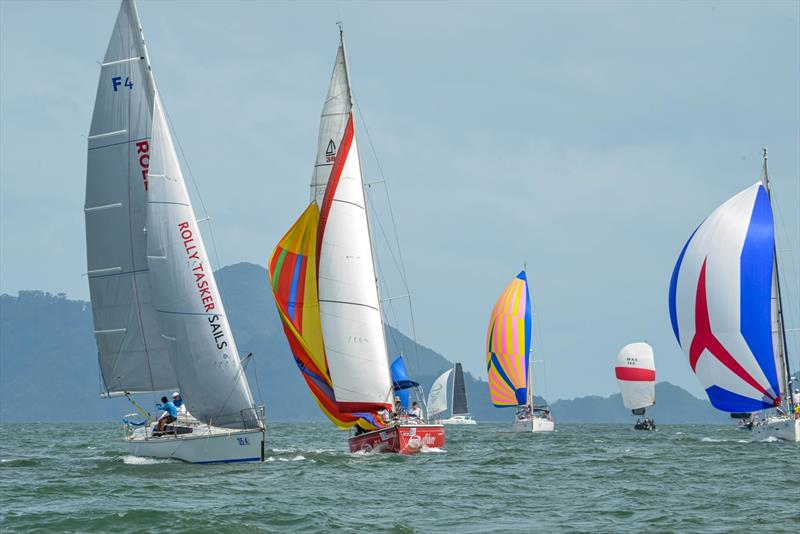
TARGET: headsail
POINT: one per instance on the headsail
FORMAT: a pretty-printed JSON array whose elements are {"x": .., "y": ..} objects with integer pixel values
[
  {"x": 508, "y": 345},
  {"x": 133, "y": 356},
  {"x": 352, "y": 327},
  {"x": 636, "y": 375},
  {"x": 437, "y": 398},
  {"x": 459, "y": 393},
  {"x": 190, "y": 309},
  {"x": 723, "y": 306}
]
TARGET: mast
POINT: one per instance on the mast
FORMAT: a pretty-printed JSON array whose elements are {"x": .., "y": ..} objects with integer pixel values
[
  {"x": 366, "y": 211},
  {"x": 783, "y": 354},
  {"x": 530, "y": 352}
]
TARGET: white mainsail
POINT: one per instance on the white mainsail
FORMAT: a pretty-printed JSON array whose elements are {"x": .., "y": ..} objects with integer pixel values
[
  {"x": 132, "y": 355},
  {"x": 355, "y": 344},
  {"x": 437, "y": 398},
  {"x": 190, "y": 309},
  {"x": 636, "y": 375}
]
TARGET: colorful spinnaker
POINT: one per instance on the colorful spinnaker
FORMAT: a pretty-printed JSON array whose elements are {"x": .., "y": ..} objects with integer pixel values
[
  {"x": 508, "y": 345},
  {"x": 636, "y": 376},
  {"x": 323, "y": 277},
  {"x": 722, "y": 303}
]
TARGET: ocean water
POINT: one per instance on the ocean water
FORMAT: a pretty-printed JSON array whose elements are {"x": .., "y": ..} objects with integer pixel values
[{"x": 582, "y": 478}]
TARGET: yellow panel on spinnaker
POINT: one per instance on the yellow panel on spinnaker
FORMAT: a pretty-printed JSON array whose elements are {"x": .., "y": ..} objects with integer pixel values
[
  {"x": 508, "y": 345},
  {"x": 293, "y": 279}
]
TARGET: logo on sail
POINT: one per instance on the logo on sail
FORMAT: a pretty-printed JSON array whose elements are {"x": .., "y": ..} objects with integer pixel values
[
  {"x": 143, "y": 151},
  {"x": 330, "y": 152}
]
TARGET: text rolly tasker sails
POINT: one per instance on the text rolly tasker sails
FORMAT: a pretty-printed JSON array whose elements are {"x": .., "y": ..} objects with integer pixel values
[
  {"x": 722, "y": 304},
  {"x": 508, "y": 345},
  {"x": 636, "y": 375},
  {"x": 159, "y": 320}
]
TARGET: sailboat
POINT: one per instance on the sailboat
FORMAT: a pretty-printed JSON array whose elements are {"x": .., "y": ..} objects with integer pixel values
[
  {"x": 508, "y": 358},
  {"x": 636, "y": 377},
  {"x": 322, "y": 275},
  {"x": 727, "y": 313},
  {"x": 437, "y": 399},
  {"x": 159, "y": 321}
]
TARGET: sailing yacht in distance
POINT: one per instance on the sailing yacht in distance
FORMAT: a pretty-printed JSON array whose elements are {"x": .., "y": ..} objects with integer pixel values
[
  {"x": 437, "y": 399},
  {"x": 159, "y": 321},
  {"x": 636, "y": 377},
  {"x": 508, "y": 358},
  {"x": 726, "y": 310},
  {"x": 323, "y": 277}
]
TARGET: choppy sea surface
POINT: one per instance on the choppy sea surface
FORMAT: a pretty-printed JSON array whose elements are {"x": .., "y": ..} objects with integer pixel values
[{"x": 598, "y": 478}]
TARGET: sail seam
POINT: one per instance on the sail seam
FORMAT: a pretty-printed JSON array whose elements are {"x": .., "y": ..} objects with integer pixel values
[
  {"x": 347, "y": 302},
  {"x": 120, "y": 143}
]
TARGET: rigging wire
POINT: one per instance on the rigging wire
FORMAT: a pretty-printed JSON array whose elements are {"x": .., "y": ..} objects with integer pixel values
[{"x": 402, "y": 270}]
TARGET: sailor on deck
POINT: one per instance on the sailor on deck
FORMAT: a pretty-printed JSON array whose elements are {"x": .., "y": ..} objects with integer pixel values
[
  {"x": 177, "y": 400},
  {"x": 415, "y": 411},
  {"x": 170, "y": 414}
]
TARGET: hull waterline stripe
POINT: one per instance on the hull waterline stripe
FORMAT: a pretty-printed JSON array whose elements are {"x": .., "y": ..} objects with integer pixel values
[{"x": 254, "y": 459}]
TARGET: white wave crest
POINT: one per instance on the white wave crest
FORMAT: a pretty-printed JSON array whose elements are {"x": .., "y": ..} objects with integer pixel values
[{"x": 140, "y": 460}]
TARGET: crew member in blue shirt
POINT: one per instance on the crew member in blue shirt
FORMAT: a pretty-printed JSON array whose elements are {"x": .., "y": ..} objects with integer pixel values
[{"x": 170, "y": 414}]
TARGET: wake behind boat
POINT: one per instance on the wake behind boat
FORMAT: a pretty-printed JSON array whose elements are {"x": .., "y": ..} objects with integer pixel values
[
  {"x": 636, "y": 377},
  {"x": 508, "y": 359},
  {"x": 159, "y": 322},
  {"x": 323, "y": 278},
  {"x": 726, "y": 311}
]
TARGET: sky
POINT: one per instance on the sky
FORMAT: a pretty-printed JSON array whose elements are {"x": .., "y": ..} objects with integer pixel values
[{"x": 587, "y": 139}]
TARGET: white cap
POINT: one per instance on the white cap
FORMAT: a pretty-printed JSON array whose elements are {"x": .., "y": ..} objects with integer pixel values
[{"x": 176, "y": 394}]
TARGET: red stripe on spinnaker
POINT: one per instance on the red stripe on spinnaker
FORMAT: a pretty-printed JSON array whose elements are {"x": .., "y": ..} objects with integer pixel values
[
  {"x": 333, "y": 182},
  {"x": 705, "y": 340},
  {"x": 634, "y": 374},
  {"x": 356, "y": 407}
]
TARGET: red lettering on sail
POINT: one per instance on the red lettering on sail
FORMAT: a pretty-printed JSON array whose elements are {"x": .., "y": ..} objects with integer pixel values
[
  {"x": 143, "y": 148},
  {"x": 203, "y": 287}
]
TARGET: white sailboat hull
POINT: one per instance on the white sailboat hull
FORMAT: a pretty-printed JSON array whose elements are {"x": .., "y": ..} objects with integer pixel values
[
  {"x": 534, "y": 424},
  {"x": 460, "y": 420},
  {"x": 204, "y": 445},
  {"x": 785, "y": 428}
]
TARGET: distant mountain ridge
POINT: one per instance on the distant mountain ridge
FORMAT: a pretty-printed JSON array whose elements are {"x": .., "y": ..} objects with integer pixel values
[{"x": 49, "y": 370}]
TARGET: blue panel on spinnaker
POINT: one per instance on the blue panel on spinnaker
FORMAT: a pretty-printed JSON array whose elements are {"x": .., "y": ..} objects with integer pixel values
[
  {"x": 727, "y": 401},
  {"x": 756, "y": 264}
]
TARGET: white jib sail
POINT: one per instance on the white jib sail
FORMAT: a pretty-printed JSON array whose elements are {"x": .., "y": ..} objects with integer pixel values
[
  {"x": 190, "y": 310},
  {"x": 352, "y": 327},
  {"x": 636, "y": 375},
  {"x": 437, "y": 397},
  {"x": 132, "y": 355}
]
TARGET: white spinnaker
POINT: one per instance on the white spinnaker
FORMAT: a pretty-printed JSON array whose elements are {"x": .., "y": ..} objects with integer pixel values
[
  {"x": 190, "y": 310},
  {"x": 437, "y": 397},
  {"x": 132, "y": 355},
  {"x": 636, "y": 359},
  {"x": 334, "y": 117}
]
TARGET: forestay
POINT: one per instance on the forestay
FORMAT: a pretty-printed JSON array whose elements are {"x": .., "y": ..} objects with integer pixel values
[
  {"x": 352, "y": 328},
  {"x": 132, "y": 354},
  {"x": 722, "y": 303},
  {"x": 190, "y": 310},
  {"x": 437, "y": 398},
  {"x": 636, "y": 375},
  {"x": 508, "y": 345}
]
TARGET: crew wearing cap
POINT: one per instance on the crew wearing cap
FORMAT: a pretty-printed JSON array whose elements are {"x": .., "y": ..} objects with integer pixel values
[{"x": 177, "y": 400}]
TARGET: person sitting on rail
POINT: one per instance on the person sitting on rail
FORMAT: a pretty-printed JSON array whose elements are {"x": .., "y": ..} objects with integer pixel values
[{"x": 169, "y": 416}]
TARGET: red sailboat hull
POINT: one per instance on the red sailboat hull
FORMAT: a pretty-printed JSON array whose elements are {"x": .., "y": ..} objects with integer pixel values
[{"x": 402, "y": 439}]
